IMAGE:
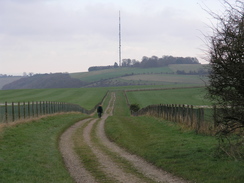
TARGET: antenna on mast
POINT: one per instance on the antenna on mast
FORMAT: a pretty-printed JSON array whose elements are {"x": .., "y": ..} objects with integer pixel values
[{"x": 119, "y": 41}]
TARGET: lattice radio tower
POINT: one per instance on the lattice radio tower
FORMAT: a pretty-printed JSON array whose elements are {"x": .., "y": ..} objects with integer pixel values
[{"x": 119, "y": 40}]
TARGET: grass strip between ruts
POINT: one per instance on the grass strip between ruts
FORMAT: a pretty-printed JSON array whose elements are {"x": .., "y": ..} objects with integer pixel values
[{"x": 88, "y": 158}]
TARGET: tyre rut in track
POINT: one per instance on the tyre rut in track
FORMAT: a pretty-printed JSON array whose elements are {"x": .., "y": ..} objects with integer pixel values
[{"x": 108, "y": 166}]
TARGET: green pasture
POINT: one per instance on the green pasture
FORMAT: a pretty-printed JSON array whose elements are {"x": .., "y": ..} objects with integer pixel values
[
  {"x": 119, "y": 72},
  {"x": 85, "y": 97},
  {"x": 168, "y": 79},
  {"x": 116, "y": 72},
  {"x": 29, "y": 152},
  {"x": 189, "y": 96},
  {"x": 165, "y": 144}
]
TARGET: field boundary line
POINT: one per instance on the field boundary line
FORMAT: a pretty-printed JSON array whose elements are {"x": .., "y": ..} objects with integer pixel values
[{"x": 152, "y": 89}]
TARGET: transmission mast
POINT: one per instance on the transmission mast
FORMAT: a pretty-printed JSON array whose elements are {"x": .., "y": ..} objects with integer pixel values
[{"x": 119, "y": 40}]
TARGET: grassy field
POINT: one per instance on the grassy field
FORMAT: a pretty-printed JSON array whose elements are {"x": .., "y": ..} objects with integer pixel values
[
  {"x": 164, "y": 144},
  {"x": 118, "y": 72},
  {"x": 168, "y": 79},
  {"x": 172, "y": 148},
  {"x": 148, "y": 76},
  {"x": 189, "y": 96},
  {"x": 187, "y": 67},
  {"x": 29, "y": 152},
  {"x": 85, "y": 97},
  {"x": 143, "y": 76}
]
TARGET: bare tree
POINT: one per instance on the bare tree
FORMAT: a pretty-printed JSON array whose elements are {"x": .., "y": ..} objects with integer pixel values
[{"x": 226, "y": 79}]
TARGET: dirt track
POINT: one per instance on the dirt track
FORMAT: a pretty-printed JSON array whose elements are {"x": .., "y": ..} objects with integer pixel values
[{"x": 111, "y": 169}]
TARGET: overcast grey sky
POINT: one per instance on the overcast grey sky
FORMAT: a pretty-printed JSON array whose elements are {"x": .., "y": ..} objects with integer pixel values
[{"x": 43, "y": 36}]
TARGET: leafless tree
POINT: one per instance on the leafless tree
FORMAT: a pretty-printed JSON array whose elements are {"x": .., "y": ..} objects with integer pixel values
[{"x": 226, "y": 79}]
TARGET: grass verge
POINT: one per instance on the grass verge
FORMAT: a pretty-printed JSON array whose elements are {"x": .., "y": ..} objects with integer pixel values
[
  {"x": 29, "y": 152},
  {"x": 166, "y": 145}
]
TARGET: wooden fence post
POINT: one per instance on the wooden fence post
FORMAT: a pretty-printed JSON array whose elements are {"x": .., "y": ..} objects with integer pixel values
[
  {"x": 167, "y": 112},
  {"x": 13, "y": 111},
  {"x": 47, "y": 108},
  {"x": 175, "y": 108},
  {"x": 6, "y": 112},
  {"x": 54, "y": 107},
  {"x": 199, "y": 120},
  {"x": 188, "y": 114},
  {"x": 24, "y": 111},
  {"x": 50, "y": 107},
  {"x": 163, "y": 112},
  {"x": 44, "y": 109},
  {"x": 40, "y": 103},
  {"x": 33, "y": 109},
  {"x": 28, "y": 109},
  {"x": 183, "y": 113},
  {"x": 179, "y": 114},
  {"x": 215, "y": 116},
  {"x": 191, "y": 115},
  {"x": 37, "y": 109},
  {"x": 19, "y": 110},
  {"x": 202, "y": 113}
]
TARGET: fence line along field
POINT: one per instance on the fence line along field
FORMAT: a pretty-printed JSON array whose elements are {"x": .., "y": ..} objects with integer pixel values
[
  {"x": 189, "y": 96},
  {"x": 166, "y": 78},
  {"x": 85, "y": 97},
  {"x": 182, "y": 105},
  {"x": 23, "y": 104},
  {"x": 11, "y": 112}
]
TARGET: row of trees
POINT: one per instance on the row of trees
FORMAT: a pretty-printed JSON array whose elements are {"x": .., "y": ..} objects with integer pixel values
[
  {"x": 5, "y": 76},
  {"x": 148, "y": 62},
  {"x": 155, "y": 61},
  {"x": 97, "y": 68}
]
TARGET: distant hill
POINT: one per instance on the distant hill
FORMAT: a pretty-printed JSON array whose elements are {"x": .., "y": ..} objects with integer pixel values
[
  {"x": 180, "y": 74},
  {"x": 7, "y": 80},
  {"x": 41, "y": 81},
  {"x": 124, "y": 76}
]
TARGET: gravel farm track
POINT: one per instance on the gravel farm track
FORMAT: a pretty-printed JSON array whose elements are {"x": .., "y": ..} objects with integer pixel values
[{"x": 80, "y": 175}]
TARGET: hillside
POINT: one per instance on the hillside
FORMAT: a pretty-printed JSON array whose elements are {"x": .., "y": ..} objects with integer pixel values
[
  {"x": 176, "y": 74},
  {"x": 41, "y": 81},
  {"x": 125, "y": 76},
  {"x": 7, "y": 80}
]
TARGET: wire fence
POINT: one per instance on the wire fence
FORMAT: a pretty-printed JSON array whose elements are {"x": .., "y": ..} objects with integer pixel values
[
  {"x": 10, "y": 112},
  {"x": 200, "y": 119}
]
